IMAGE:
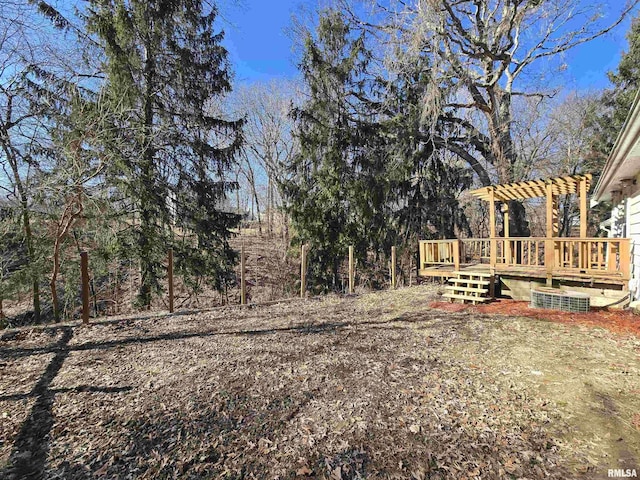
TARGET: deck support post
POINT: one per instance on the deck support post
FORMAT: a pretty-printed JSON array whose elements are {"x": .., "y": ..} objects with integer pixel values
[{"x": 492, "y": 284}]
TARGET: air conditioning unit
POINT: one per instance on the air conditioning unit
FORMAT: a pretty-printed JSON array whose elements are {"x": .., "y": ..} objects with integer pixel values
[{"x": 565, "y": 301}]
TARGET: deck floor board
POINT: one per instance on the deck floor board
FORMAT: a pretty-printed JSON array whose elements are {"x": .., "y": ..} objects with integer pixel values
[{"x": 448, "y": 271}]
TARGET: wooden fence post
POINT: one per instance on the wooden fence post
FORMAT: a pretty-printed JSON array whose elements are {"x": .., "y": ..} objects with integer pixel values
[
  {"x": 243, "y": 283},
  {"x": 170, "y": 275},
  {"x": 84, "y": 269},
  {"x": 393, "y": 267},
  {"x": 351, "y": 271},
  {"x": 303, "y": 271}
]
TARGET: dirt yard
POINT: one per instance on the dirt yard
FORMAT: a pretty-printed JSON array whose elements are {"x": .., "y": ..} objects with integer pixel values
[{"x": 375, "y": 386}]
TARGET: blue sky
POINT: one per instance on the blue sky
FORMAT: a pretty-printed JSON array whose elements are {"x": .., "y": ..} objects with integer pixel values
[
  {"x": 588, "y": 64},
  {"x": 260, "y": 49},
  {"x": 258, "y": 46}
]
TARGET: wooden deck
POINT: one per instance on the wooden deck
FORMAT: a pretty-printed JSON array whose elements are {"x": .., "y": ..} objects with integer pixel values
[
  {"x": 589, "y": 260},
  {"x": 592, "y": 260}
]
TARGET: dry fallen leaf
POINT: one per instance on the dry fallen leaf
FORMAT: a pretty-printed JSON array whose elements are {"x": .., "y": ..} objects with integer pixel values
[
  {"x": 304, "y": 471},
  {"x": 102, "y": 470},
  {"x": 337, "y": 473},
  {"x": 393, "y": 396}
]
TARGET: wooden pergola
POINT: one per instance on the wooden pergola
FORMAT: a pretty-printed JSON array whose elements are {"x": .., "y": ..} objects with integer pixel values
[
  {"x": 550, "y": 257},
  {"x": 550, "y": 188}
]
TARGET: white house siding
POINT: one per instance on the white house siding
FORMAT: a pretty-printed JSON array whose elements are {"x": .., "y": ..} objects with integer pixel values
[
  {"x": 633, "y": 232},
  {"x": 618, "y": 226}
]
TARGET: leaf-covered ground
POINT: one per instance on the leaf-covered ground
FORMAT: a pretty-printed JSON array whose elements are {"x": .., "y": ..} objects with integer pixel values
[{"x": 376, "y": 386}]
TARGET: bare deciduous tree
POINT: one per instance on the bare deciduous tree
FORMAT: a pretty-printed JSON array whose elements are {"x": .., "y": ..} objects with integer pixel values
[
  {"x": 269, "y": 144},
  {"x": 568, "y": 127},
  {"x": 20, "y": 119},
  {"x": 38, "y": 72},
  {"x": 484, "y": 54}
]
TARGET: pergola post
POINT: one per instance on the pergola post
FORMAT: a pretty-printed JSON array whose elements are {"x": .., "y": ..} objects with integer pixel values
[
  {"x": 507, "y": 243},
  {"x": 556, "y": 216},
  {"x": 584, "y": 250},
  {"x": 492, "y": 242},
  {"x": 510, "y": 252},
  {"x": 492, "y": 228},
  {"x": 549, "y": 244},
  {"x": 583, "y": 208}
]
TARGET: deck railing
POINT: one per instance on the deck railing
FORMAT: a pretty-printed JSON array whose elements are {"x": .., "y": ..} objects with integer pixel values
[
  {"x": 581, "y": 256},
  {"x": 520, "y": 252},
  {"x": 593, "y": 255},
  {"x": 475, "y": 250},
  {"x": 438, "y": 252}
]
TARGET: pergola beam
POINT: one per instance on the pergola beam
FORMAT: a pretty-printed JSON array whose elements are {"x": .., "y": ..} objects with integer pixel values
[{"x": 534, "y": 188}]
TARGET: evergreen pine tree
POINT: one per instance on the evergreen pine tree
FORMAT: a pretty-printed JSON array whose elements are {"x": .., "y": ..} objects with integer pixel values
[
  {"x": 369, "y": 172},
  {"x": 610, "y": 113},
  {"x": 426, "y": 183},
  {"x": 322, "y": 173},
  {"x": 166, "y": 65}
]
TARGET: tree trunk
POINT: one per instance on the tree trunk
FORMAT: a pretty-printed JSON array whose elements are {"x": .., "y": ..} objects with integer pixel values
[
  {"x": 519, "y": 226},
  {"x": 62, "y": 230},
  {"x": 115, "y": 289},
  {"x": 336, "y": 273},
  {"x": 254, "y": 193},
  {"x": 505, "y": 156},
  {"x": 238, "y": 193},
  {"x": 146, "y": 224},
  {"x": 257, "y": 205},
  {"x": 54, "y": 278},
  {"x": 147, "y": 181},
  {"x": 28, "y": 234},
  {"x": 31, "y": 255},
  {"x": 285, "y": 227},
  {"x": 269, "y": 207},
  {"x": 273, "y": 203},
  {"x": 565, "y": 226}
]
